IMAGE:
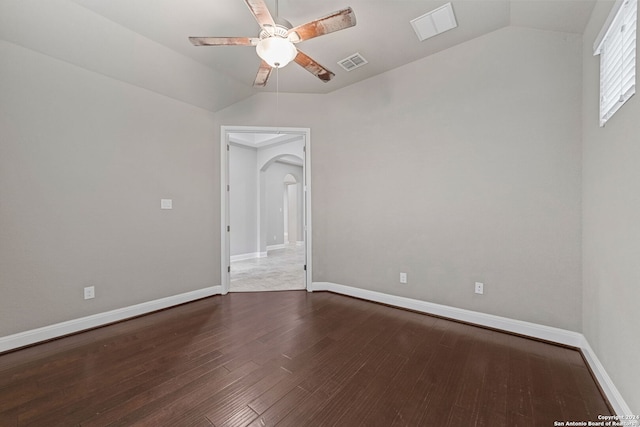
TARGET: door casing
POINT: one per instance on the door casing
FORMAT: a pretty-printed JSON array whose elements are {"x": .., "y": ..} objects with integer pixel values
[{"x": 225, "y": 253}]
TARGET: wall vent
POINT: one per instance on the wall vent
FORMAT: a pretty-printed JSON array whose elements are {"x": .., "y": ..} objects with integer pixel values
[
  {"x": 352, "y": 62},
  {"x": 435, "y": 22}
]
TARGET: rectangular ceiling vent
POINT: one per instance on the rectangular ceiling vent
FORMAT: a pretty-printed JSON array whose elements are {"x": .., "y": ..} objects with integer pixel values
[
  {"x": 435, "y": 22},
  {"x": 352, "y": 62}
]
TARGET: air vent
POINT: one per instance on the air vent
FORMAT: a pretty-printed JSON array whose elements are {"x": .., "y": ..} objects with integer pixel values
[
  {"x": 435, "y": 22},
  {"x": 352, "y": 62}
]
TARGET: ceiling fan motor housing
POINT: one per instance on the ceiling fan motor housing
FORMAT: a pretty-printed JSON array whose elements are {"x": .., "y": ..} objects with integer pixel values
[{"x": 281, "y": 29}]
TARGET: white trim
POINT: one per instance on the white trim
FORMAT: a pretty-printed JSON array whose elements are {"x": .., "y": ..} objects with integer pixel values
[
  {"x": 225, "y": 261},
  {"x": 548, "y": 333},
  {"x": 306, "y": 191},
  {"x": 45, "y": 333},
  {"x": 275, "y": 247},
  {"x": 251, "y": 255},
  {"x": 608, "y": 387}
]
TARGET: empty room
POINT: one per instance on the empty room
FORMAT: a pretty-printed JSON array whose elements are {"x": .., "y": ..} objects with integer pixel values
[{"x": 301, "y": 213}]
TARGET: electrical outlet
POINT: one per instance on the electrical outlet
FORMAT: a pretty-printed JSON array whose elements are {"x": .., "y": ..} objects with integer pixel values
[
  {"x": 479, "y": 288},
  {"x": 403, "y": 277},
  {"x": 89, "y": 292}
]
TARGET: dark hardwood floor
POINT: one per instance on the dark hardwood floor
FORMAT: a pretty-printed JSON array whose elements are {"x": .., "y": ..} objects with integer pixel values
[{"x": 294, "y": 359}]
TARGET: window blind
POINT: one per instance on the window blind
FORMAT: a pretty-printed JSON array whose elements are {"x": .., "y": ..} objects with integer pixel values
[{"x": 617, "y": 50}]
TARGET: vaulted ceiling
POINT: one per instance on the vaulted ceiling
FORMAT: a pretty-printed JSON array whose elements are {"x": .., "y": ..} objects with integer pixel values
[{"x": 382, "y": 35}]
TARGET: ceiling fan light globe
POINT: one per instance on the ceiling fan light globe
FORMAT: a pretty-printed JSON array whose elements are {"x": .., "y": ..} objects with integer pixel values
[{"x": 276, "y": 51}]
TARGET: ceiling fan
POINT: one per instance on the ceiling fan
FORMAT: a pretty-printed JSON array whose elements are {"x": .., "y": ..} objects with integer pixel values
[{"x": 275, "y": 43}]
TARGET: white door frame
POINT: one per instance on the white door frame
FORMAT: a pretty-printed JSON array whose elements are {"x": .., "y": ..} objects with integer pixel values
[{"x": 225, "y": 253}]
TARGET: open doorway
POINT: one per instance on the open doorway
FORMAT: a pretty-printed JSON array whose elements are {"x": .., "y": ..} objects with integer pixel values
[{"x": 266, "y": 238}]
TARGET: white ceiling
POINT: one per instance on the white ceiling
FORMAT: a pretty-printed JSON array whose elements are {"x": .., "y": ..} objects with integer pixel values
[
  {"x": 145, "y": 42},
  {"x": 382, "y": 35}
]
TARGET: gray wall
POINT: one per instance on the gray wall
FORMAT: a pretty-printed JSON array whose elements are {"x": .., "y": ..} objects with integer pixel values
[
  {"x": 611, "y": 230},
  {"x": 84, "y": 162},
  {"x": 455, "y": 168},
  {"x": 243, "y": 199},
  {"x": 460, "y": 167}
]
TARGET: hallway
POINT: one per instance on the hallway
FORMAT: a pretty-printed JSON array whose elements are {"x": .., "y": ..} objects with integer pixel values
[{"x": 281, "y": 270}]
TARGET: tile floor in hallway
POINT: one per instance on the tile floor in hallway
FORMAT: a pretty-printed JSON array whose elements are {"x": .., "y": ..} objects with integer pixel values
[{"x": 280, "y": 270}]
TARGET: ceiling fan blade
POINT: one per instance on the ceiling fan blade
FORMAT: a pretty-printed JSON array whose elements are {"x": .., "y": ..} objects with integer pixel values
[
  {"x": 335, "y": 21},
  {"x": 261, "y": 13},
  {"x": 306, "y": 62},
  {"x": 263, "y": 74},
  {"x": 224, "y": 41}
]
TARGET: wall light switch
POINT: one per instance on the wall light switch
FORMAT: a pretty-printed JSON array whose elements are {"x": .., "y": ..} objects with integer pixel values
[{"x": 166, "y": 204}]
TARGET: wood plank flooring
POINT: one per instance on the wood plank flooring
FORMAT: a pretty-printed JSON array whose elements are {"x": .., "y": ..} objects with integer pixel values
[{"x": 294, "y": 359}]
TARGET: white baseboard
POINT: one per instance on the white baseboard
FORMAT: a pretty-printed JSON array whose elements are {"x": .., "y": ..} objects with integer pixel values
[
  {"x": 547, "y": 333},
  {"x": 250, "y": 255},
  {"x": 608, "y": 387},
  {"x": 45, "y": 333},
  {"x": 274, "y": 247}
]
